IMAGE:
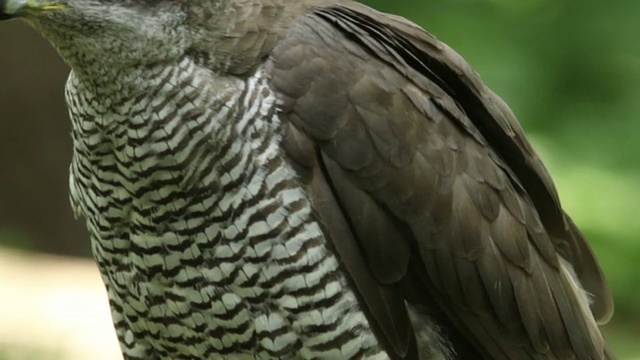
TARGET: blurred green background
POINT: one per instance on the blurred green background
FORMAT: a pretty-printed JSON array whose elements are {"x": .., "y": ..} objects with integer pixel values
[{"x": 570, "y": 70}]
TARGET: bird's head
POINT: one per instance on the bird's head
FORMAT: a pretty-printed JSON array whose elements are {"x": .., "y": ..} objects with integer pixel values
[{"x": 115, "y": 33}]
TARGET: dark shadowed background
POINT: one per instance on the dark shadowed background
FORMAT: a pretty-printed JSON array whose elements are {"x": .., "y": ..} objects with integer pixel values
[{"x": 570, "y": 69}]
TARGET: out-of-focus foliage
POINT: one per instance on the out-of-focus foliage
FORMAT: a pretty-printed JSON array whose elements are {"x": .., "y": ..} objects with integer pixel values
[
  {"x": 35, "y": 146},
  {"x": 570, "y": 69}
]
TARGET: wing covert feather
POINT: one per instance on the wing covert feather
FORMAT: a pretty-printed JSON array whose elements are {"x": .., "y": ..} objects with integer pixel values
[
  {"x": 498, "y": 125},
  {"x": 421, "y": 169}
]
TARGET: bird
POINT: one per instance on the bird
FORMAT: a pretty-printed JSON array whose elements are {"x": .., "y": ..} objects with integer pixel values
[{"x": 310, "y": 179}]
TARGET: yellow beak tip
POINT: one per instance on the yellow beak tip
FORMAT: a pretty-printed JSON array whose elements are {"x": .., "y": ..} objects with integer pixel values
[{"x": 52, "y": 7}]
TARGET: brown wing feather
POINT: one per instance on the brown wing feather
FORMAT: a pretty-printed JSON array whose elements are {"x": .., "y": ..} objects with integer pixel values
[
  {"x": 388, "y": 306},
  {"x": 489, "y": 115},
  {"x": 426, "y": 183}
]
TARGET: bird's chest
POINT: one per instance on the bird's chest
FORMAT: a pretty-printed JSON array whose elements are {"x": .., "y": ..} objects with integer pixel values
[
  {"x": 148, "y": 208},
  {"x": 161, "y": 179},
  {"x": 205, "y": 240},
  {"x": 148, "y": 167},
  {"x": 158, "y": 179},
  {"x": 234, "y": 268}
]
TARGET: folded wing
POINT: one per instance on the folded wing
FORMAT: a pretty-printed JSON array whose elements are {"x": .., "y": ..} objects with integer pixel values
[{"x": 430, "y": 192}]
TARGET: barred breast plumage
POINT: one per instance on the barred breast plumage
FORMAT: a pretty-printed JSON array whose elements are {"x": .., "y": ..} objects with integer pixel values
[
  {"x": 204, "y": 237},
  {"x": 311, "y": 179}
]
